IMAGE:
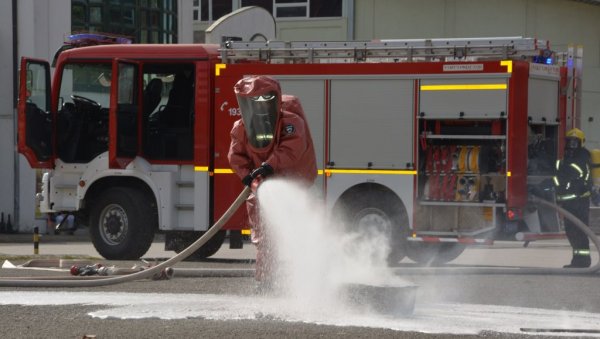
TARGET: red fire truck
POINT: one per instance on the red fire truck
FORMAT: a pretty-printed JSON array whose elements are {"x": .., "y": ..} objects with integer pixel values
[{"x": 434, "y": 142}]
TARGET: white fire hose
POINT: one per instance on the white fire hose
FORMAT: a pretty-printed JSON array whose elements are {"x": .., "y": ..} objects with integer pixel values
[
  {"x": 93, "y": 281},
  {"x": 147, "y": 273}
]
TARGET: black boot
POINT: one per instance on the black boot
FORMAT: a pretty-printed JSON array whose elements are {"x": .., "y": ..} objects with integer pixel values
[{"x": 580, "y": 261}]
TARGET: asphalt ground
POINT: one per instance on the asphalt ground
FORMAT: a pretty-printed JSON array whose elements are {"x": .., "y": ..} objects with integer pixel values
[{"x": 74, "y": 320}]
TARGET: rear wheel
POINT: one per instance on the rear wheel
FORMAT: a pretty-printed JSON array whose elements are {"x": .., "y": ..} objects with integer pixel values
[
  {"x": 211, "y": 247},
  {"x": 377, "y": 214},
  {"x": 122, "y": 224},
  {"x": 433, "y": 254}
]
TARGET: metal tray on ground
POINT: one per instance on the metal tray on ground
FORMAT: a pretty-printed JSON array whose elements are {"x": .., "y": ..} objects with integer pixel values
[{"x": 384, "y": 299}]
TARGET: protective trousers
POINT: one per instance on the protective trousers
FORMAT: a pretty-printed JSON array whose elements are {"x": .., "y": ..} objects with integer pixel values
[
  {"x": 265, "y": 258},
  {"x": 579, "y": 241}
]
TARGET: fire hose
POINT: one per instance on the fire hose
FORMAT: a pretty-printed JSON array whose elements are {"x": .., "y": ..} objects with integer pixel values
[
  {"x": 103, "y": 281},
  {"x": 521, "y": 270},
  {"x": 147, "y": 273}
]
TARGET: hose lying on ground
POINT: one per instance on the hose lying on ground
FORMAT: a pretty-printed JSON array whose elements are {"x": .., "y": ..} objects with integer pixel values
[
  {"x": 103, "y": 281},
  {"x": 515, "y": 270},
  {"x": 111, "y": 280}
]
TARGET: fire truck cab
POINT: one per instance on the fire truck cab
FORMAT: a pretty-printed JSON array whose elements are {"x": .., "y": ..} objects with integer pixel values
[{"x": 434, "y": 142}]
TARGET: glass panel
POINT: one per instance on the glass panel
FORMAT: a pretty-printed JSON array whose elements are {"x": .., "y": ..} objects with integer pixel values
[
  {"x": 127, "y": 110},
  {"x": 36, "y": 86},
  {"x": 96, "y": 15},
  {"x": 144, "y": 19},
  {"x": 325, "y": 8},
  {"x": 204, "y": 10},
  {"x": 115, "y": 15},
  {"x": 129, "y": 16},
  {"x": 154, "y": 20},
  {"x": 266, "y": 4},
  {"x": 221, "y": 8},
  {"x": 168, "y": 111},
  {"x": 290, "y": 1},
  {"x": 78, "y": 13},
  {"x": 82, "y": 118},
  {"x": 290, "y": 12},
  {"x": 126, "y": 84},
  {"x": 38, "y": 123}
]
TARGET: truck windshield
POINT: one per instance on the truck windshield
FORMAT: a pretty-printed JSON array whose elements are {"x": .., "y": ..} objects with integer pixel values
[
  {"x": 91, "y": 81},
  {"x": 82, "y": 119}
]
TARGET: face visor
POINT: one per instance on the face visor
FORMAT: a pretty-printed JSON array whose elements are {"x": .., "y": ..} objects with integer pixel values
[{"x": 259, "y": 114}]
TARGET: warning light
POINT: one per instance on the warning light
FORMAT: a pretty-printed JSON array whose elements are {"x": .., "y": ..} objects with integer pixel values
[
  {"x": 513, "y": 214},
  {"x": 545, "y": 57}
]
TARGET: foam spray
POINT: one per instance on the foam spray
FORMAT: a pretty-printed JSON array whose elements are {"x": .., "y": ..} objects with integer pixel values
[{"x": 315, "y": 254}]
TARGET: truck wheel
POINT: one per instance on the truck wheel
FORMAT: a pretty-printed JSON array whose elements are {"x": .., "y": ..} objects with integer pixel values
[
  {"x": 208, "y": 249},
  {"x": 429, "y": 254},
  {"x": 379, "y": 211},
  {"x": 122, "y": 224}
]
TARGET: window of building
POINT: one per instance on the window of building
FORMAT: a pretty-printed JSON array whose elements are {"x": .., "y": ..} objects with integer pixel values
[
  {"x": 291, "y": 8},
  {"x": 211, "y": 10},
  {"x": 145, "y": 21},
  {"x": 266, "y": 4}
]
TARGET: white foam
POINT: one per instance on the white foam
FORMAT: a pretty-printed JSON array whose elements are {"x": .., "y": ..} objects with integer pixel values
[
  {"x": 315, "y": 254},
  {"x": 428, "y": 318}
]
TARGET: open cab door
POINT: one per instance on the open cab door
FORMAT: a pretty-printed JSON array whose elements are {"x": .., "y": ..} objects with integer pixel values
[
  {"x": 124, "y": 116},
  {"x": 35, "y": 127}
]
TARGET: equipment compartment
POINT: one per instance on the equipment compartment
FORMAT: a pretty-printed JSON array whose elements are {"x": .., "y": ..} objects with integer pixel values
[{"x": 456, "y": 165}]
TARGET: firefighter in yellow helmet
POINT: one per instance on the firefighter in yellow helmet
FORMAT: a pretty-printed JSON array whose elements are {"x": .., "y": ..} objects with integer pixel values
[{"x": 573, "y": 190}]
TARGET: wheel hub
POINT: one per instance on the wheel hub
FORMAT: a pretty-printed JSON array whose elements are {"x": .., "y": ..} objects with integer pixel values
[
  {"x": 113, "y": 224},
  {"x": 373, "y": 218}
]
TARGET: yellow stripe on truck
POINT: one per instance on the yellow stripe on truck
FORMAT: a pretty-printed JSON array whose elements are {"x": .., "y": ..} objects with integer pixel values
[
  {"x": 223, "y": 171},
  {"x": 357, "y": 171},
  {"x": 463, "y": 87},
  {"x": 326, "y": 171}
]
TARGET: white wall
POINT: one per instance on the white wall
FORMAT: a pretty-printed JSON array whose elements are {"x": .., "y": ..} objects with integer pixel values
[
  {"x": 185, "y": 22},
  {"x": 43, "y": 26},
  {"x": 560, "y": 21},
  {"x": 6, "y": 110}
]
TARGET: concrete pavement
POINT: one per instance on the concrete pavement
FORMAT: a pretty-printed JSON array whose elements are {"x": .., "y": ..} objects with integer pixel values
[{"x": 79, "y": 244}]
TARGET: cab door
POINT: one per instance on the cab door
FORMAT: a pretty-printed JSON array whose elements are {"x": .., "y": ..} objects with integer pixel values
[
  {"x": 35, "y": 122},
  {"x": 124, "y": 115}
]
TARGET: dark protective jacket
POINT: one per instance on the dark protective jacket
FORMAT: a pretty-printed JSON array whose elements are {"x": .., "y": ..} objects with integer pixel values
[{"x": 573, "y": 176}]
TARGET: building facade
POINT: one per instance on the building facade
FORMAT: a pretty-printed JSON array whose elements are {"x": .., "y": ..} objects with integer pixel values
[{"x": 37, "y": 28}]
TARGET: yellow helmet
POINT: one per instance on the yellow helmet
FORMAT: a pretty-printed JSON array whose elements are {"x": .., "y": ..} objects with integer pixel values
[{"x": 576, "y": 133}]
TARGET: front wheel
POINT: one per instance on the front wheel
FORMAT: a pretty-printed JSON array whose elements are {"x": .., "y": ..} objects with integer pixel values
[{"x": 122, "y": 224}]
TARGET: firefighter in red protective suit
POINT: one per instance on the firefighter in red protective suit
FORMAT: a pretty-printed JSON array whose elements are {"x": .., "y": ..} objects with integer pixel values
[
  {"x": 573, "y": 190},
  {"x": 271, "y": 139}
]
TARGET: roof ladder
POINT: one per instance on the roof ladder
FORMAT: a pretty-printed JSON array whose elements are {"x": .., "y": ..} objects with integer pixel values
[{"x": 407, "y": 50}]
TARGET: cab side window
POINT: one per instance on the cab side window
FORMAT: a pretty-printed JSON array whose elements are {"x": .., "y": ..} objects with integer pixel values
[{"x": 168, "y": 112}]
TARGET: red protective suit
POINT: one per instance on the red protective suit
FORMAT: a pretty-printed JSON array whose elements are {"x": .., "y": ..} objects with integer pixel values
[{"x": 290, "y": 153}]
